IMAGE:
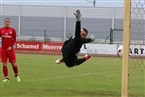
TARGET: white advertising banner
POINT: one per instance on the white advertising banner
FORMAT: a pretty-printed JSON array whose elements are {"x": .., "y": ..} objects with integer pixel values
[
  {"x": 99, "y": 49},
  {"x": 137, "y": 50}
]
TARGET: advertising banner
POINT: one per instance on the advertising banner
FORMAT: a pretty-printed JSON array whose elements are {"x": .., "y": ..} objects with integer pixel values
[
  {"x": 27, "y": 45},
  {"x": 137, "y": 50},
  {"x": 51, "y": 46},
  {"x": 55, "y": 47},
  {"x": 99, "y": 49},
  {"x": 39, "y": 46}
]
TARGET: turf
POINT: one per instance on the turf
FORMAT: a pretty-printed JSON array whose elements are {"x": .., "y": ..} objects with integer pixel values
[{"x": 41, "y": 77}]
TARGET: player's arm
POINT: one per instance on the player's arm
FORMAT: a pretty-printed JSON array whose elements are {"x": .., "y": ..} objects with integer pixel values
[
  {"x": 13, "y": 40},
  {"x": 77, "y": 30},
  {"x": 88, "y": 40},
  {"x": 13, "y": 37},
  {"x": 78, "y": 25}
]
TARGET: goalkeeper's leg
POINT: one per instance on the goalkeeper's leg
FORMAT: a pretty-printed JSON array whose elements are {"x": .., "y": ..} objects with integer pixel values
[
  {"x": 73, "y": 60},
  {"x": 82, "y": 60},
  {"x": 58, "y": 61}
]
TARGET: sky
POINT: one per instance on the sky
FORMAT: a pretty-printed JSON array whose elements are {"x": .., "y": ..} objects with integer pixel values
[{"x": 87, "y": 3}]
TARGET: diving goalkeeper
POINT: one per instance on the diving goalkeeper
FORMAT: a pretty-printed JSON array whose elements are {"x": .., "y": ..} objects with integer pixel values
[{"x": 73, "y": 45}]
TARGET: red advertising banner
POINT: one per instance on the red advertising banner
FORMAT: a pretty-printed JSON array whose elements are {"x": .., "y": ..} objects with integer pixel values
[{"x": 39, "y": 46}]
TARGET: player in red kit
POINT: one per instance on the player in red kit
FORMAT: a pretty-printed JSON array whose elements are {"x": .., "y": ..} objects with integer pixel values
[{"x": 8, "y": 35}]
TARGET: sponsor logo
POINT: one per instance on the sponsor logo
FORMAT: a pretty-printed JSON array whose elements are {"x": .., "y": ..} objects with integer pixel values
[
  {"x": 51, "y": 47},
  {"x": 27, "y": 46},
  {"x": 10, "y": 32},
  {"x": 137, "y": 51},
  {"x": 5, "y": 36}
]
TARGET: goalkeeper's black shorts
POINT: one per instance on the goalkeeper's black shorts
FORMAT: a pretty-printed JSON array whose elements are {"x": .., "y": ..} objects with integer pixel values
[{"x": 70, "y": 60}]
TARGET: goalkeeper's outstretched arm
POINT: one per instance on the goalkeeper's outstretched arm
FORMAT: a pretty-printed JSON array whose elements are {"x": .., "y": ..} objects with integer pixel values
[{"x": 78, "y": 25}]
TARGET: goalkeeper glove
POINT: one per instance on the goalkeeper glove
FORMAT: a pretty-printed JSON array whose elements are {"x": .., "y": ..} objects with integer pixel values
[
  {"x": 93, "y": 38},
  {"x": 78, "y": 15}
]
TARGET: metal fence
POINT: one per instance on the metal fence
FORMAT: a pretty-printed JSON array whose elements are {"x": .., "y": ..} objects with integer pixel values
[{"x": 58, "y": 23}]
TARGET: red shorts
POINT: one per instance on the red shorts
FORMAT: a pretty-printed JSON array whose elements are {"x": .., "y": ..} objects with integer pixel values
[{"x": 5, "y": 54}]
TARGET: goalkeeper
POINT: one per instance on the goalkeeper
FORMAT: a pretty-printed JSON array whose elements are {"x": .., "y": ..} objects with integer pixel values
[{"x": 72, "y": 46}]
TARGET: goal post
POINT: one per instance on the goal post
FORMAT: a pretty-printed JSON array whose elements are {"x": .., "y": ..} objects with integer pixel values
[
  {"x": 133, "y": 63},
  {"x": 126, "y": 45}
]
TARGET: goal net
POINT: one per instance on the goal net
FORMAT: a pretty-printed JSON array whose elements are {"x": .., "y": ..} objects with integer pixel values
[{"x": 136, "y": 79}]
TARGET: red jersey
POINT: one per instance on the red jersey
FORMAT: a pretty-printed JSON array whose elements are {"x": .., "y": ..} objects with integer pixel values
[{"x": 8, "y": 37}]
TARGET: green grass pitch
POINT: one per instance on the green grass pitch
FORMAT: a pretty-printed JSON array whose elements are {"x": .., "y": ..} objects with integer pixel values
[{"x": 41, "y": 77}]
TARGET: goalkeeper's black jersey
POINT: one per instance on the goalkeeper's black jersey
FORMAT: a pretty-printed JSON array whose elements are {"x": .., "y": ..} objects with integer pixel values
[{"x": 74, "y": 44}]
